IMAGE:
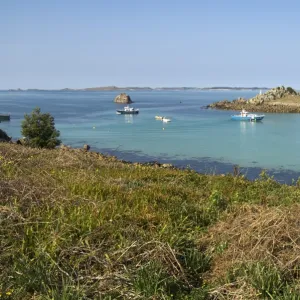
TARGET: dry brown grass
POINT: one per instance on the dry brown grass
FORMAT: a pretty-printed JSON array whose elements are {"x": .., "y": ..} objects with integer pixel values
[
  {"x": 287, "y": 100},
  {"x": 258, "y": 233}
]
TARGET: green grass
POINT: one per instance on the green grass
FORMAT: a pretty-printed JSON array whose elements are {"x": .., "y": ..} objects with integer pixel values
[
  {"x": 76, "y": 225},
  {"x": 267, "y": 281}
]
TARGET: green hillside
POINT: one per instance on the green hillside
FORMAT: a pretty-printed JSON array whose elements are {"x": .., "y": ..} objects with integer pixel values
[{"x": 79, "y": 225}]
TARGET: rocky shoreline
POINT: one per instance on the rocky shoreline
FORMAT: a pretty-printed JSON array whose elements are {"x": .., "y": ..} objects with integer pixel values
[
  {"x": 276, "y": 100},
  {"x": 86, "y": 149},
  {"x": 112, "y": 158},
  {"x": 268, "y": 108}
]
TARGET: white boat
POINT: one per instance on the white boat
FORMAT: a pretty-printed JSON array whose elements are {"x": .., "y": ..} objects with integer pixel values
[
  {"x": 127, "y": 111},
  {"x": 166, "y": 120}
]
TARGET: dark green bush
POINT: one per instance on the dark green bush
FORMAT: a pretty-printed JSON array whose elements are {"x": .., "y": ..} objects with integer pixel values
[
  {"x": 291, "y": 90},
  {"x": 39, "y": 130}
]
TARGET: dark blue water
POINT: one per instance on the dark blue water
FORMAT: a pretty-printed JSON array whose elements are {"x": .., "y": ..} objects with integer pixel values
[{"x": 205, "y": 140}]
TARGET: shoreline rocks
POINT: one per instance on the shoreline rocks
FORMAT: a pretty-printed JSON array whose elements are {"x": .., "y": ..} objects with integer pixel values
[
  {"x": 86, "y": 147},
  {"x": 123, "y": 98},
  {"x": 269, "y": 108},
  {"x": 4, "y": 137},
  {"x": 271, "y": 102}
]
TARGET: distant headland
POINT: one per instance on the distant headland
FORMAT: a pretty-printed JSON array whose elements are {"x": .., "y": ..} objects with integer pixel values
[
  {"x": 134, "y": 88},
  {"x": 276, "y": 100}
]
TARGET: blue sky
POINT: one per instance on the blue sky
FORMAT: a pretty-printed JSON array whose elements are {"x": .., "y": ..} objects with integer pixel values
[{"x": 76, "y": 44}]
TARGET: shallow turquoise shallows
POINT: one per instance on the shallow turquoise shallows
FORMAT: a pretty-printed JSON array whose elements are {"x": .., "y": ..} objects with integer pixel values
[{"x": 206, "y": 140}]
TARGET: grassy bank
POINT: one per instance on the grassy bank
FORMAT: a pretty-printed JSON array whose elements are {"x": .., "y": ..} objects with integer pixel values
[{"x": 78, "y": 225}]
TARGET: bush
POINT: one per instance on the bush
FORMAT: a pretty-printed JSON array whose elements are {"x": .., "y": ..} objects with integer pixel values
[
  {"x": 39, "y": 130},
  {"x": 291, "y": 90}
]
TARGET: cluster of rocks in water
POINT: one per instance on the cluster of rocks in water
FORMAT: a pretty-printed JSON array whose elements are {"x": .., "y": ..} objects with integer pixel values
[{"x": 267, "y": 102}]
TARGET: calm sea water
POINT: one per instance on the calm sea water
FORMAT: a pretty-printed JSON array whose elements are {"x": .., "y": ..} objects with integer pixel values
[{"x": 206, "y": 140}]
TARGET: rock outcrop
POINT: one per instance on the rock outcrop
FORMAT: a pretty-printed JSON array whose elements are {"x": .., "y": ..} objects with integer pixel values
[
  {"x": 21, "y": 141},
  {"x": 86, "y": 147},
  {"x": 273, "y": 100},
  {"x": 64, "y": 147},
  {"x": 273, "y": 95},
  {"x": 240, "y": 100},
  {"x": 4, "y": 137},
  {"x": 123, "y": 98}
]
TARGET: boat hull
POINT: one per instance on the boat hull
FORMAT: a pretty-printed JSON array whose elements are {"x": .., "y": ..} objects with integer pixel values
[
  {"x": 166, "y": 120},
  {"x": 122, "y": 112},
  {"x": 249, "y": 118},
  {"x": 4, "y": 117}
]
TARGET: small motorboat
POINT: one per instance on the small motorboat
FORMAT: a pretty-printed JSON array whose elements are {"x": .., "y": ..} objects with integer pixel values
[
  {"x": 166, "y": 120},
  {"x": 4, "y": 117},
  {"x": 245, "y": 116},
  {"x": 127, "y": 111}
]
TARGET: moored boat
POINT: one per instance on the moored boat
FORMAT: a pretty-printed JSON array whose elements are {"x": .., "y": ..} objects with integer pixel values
[
  {"x": 166, "y": 120},
  {"x": 4, "y": 117},
  {"x": 245, "y": 116},
  {"x": 127, "y": 110}
]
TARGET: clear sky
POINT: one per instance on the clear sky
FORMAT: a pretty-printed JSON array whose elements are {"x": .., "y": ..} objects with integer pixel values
[{"x": 70, "y": 43}]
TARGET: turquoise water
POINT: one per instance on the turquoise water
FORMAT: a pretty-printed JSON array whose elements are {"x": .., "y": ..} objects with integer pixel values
[{"x": 207, "y": 140}]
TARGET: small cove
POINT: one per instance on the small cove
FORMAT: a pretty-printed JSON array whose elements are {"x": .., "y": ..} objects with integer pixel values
[{"x": 206, "y": 140}]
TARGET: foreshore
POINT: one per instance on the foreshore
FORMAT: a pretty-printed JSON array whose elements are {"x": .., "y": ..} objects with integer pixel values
[{"x": 201, "y": 165}]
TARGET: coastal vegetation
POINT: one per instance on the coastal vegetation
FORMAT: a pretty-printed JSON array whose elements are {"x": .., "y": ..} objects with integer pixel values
[
  {"x": 80, "y": 225},
  {"x": 276, "y": 100},
  {"x": 38, "y": 130}
]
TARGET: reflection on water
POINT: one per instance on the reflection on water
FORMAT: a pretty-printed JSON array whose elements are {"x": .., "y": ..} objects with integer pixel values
[
  {"x": 128, "y": 119},
  {"x": 243, "y": 127},
  {"x": 248, "y": 126}
]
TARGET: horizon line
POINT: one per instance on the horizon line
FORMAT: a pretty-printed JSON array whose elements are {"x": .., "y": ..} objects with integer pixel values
[{"x": 112, "y": 87}]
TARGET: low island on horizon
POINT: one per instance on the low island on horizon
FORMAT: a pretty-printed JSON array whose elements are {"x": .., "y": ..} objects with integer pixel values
[{"x": 135, "y": 88}]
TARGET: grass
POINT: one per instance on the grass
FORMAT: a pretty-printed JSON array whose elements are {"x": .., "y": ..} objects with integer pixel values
[
  {"x": 290, "y": 100},
  {"x": 79, "y": 225}
]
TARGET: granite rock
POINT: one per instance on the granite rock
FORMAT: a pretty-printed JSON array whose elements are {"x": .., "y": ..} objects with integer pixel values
[{"x": 123, "y": 98}]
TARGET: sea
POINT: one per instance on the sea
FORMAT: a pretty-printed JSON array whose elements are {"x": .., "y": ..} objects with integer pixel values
[{"x": 204, "y": 140}]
